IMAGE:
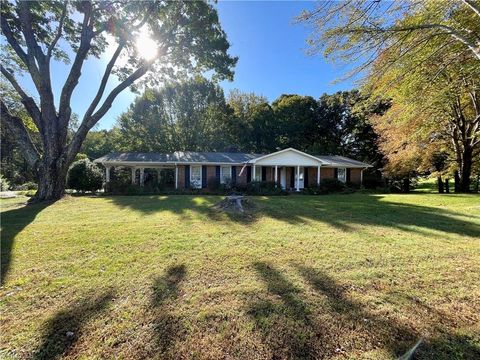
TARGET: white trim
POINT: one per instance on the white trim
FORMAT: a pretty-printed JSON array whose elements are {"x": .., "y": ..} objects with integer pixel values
[
  {"x": 318, "y": 175},
  {"x": 107, "y": 173},
  {"x": 253, "y": 161},
  {"x": 176, "y": 176}
]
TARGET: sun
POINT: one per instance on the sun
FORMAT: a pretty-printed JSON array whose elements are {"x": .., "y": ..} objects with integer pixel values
[{"x": 146, "y": 46}]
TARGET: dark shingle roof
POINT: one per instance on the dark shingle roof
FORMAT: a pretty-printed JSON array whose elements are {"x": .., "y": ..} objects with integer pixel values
[
  {"x": 212, "y": 157},
  {"x": 336, "y": 160},
  {"x": 180, "y": 156}
]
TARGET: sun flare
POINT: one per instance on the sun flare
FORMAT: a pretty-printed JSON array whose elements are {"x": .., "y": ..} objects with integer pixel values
[{"x": 146, "y": 46}]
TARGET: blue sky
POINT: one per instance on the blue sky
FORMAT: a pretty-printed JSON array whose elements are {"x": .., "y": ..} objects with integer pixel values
[{"x": 271, "y": 50}]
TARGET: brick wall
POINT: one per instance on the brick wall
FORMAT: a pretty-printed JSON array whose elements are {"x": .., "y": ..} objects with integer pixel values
[
  {"x": 241, "y": 179},
  {"x": 311, "y": 172},
  {"x": 355, "y": 176},
  {"x": 327, "y": 173},
  {"x": 269, "y": 173}
]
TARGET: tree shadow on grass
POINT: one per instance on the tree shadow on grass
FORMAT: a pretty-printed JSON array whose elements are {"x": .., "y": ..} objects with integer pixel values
[
  {"x": 295, "y": 328},
  {"x": 284, "y": 321},
  {"x": 13, "y": 222},
  {"x": 64, "y": 329},
  {"x": 344, "y": 212},
  {"x": 375, "y": 331},
  {"x": 165, "y": 292},
  {"x": 388, "y": 332}
]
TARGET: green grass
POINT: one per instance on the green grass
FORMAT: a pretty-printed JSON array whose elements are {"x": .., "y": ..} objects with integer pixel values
[{"x": 357, "y": 276}]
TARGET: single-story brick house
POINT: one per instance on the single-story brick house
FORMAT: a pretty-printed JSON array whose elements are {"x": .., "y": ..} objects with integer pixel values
[{"x": 290, "y": 168}]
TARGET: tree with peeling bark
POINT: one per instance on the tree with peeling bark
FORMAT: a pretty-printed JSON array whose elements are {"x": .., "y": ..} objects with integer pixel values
[{"x": 184, "y": 37}]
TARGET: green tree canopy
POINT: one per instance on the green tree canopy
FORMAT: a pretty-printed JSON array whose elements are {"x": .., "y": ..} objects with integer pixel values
[
  {"x": 190, "y": 115},
  {"x": 186, "y": 35}
]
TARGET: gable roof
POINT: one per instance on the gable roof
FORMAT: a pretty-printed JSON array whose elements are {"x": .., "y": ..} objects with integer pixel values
[{"x": 284, "y": 151}]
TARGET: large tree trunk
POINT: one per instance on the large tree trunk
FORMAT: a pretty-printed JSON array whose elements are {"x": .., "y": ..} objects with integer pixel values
[
  {"x": 52, "y": 179},
  {"x": 466, "y": 170},
  {"x": 440, "y": 185}
]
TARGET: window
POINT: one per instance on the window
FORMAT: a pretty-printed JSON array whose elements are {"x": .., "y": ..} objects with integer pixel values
[
  {"x": 196, "y": 177},
  {"x": 225, "y": 174},
  {"x": 342, "y": 174}
]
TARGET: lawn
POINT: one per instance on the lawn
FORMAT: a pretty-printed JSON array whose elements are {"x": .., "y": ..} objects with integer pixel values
[{"x": 358, "y": 276}]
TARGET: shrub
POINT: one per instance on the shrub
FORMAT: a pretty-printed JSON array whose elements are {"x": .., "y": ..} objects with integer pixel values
[
  {"x": 331, "y": 185},
  {"x": 84, "y": 175},
  {"x": 4, "y": 184},
  {"x": 27, "y": 186},
  {"x": 313, "y": 190},
  {"x": 81, "y": 156},
  {"x": 259, "y": 188},
  {"x": 353, "y": 185},
  {"x": 213, "y": 183}
]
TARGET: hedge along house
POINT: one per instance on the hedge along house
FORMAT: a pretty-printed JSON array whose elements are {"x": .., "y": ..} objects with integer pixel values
[{"x": 290, "y": 168}]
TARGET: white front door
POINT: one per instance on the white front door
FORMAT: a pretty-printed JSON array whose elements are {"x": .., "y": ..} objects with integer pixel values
[{"x": 301, "y": 180}]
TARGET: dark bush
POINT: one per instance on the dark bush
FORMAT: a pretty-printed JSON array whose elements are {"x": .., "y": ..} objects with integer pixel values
[
  {"x": 259, "y": 188},
  {"x": 352, "y": 185},
  {"x": 331, "y": 185},
  {"x": 213, "y": 183},
  {"x": 84, "y": 175},
  {"x": 27, "y": 186},
  {"x": 327, "y": 186},
  {"x": 373, "y": 182},
  {"x": 313, "y": 190}
]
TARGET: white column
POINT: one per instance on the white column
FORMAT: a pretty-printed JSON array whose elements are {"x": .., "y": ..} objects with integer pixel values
[
  {"x": 298, "y": 179},
  {"x": 361, "y": 177},
  {"x": 134, "y": 175},
  {"x": 176, "y": 176},
  {"x": 318, "y": 175},
  {"x": 276, "y": 175},
  {"x": 253, "y": 172},
  {"x": 107, "y": 173},
  {"x": 142, "y": 176}
]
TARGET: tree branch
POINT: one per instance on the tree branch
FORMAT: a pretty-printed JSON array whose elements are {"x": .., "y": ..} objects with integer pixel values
[
  {"x": 59, "y": 32},
  {"x": 34, "y": 50},
  {"x": 15, "y": 125},
  {"x": 117, "y": 90},
  {"x": 32, "y": 67},
  {"x": 86, "y": 37},
  {"x": 88, "y": 123},
  {"x": 27, "y": 101},
  {"x": 472, "y": 5},
  {"x": 104, "y": 81},
  {"x": 447, "y": 30}
]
